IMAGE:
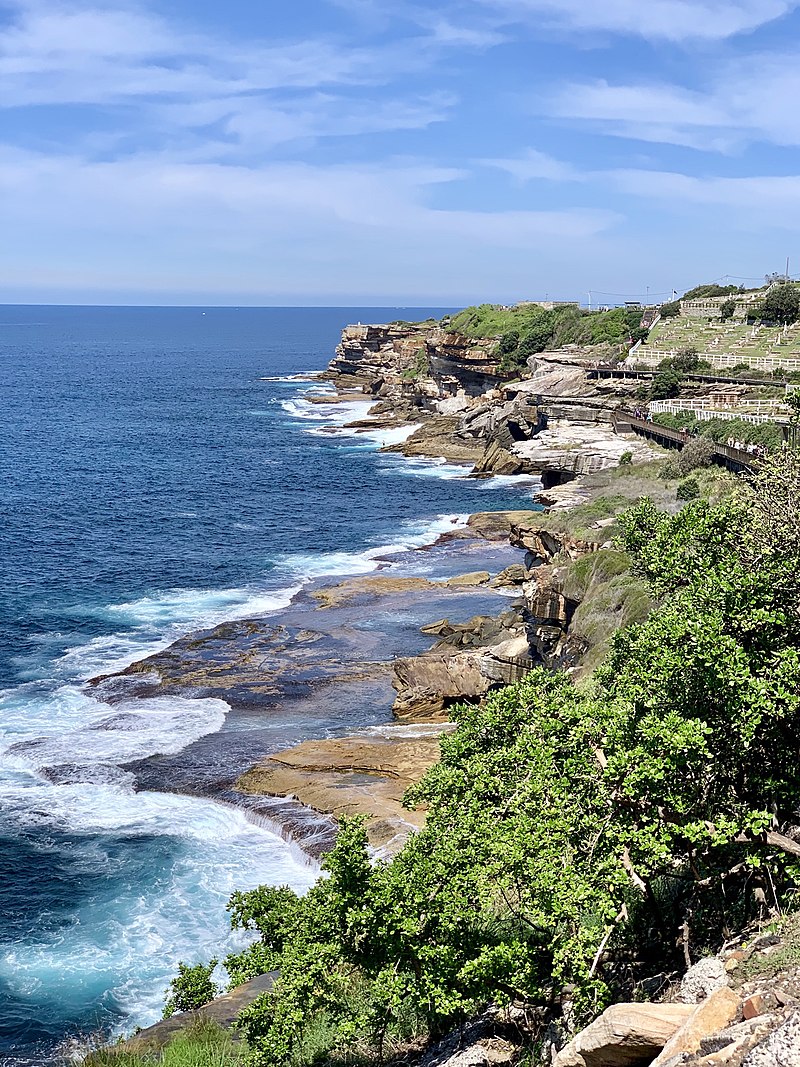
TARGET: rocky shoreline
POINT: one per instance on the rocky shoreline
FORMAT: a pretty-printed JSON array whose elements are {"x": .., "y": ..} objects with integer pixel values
[{"x": 501, "y": 600}]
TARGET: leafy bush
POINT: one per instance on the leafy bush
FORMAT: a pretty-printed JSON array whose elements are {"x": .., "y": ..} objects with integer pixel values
[
  {"x": 685, "y": 360},
  {"x": 671, "y": 309},
  {"x": 727, "y": 309},
  {"x": 626, "y": 459},
  {"x": 697, "y": 452},
  {"x": 191, "y": 989},
  {"x": 688, "y": 489},
  {"x": 666, "y": 385},
  {"x": 701, "y": 292}
]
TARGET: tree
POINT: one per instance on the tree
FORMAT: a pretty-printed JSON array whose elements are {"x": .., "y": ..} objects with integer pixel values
[
  {"x": 727, "y": 309},
  {"x": 191, "y": 989},
  {"x": 781, "y": 304},
  {"x": 666, "y": 385},
  {"x": 685, "y": 360},
  {"x": 696, "y": 453}
]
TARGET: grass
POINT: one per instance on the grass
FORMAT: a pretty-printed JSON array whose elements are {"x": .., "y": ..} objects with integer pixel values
[
  {"x": 204, "y": 1044},
  {"x": 783, "y": 957}
]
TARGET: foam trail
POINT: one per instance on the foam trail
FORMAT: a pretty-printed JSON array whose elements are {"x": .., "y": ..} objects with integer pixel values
[{"x": 127, "y": 948}]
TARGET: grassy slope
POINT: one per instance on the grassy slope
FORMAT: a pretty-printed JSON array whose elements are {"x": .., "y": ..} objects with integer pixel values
[{"x": 610, "y": 597}]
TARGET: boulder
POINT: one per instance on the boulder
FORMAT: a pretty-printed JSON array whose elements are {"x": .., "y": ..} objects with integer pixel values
[
  {"x": 516, "y": 574},
  {"x": 451, "y": 675},
  {"x": 624, "y": 1034},
  {"x": 419, "y": 704},
  {"x": 702, "y": 979},
  {"x": 720, "y": 1008},
  {"x": 490, "y": 1052},
  {"x": 781, "y": 1048},
  {"x": 508, "y": 661},
  {"x": 472, "y": 578}
]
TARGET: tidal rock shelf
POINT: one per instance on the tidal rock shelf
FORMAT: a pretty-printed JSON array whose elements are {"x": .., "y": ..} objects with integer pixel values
[{"x": 311, "y": 688}]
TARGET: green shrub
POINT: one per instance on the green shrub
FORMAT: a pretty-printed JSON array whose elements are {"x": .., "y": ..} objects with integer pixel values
[
  {"x": 697, "y": 452},
  {"x": 626, "y": 459},
  {"x": 688, "y": 489},
  {"x": 191, "y": 988}
]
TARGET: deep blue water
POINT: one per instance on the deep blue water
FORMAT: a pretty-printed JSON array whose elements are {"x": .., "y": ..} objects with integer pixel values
[{"x": 156, "y": 475}]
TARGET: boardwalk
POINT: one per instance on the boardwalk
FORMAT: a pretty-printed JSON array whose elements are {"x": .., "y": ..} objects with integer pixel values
[
  {"x": 735, "y": 459},
  {"x": 647, "y": 375}
]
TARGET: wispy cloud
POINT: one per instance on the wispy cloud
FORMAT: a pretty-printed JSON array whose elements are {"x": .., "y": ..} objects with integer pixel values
[
  {"x": 532, "y": 165},
  {"x": 731, "y": 112},
  {"x": 166, "y": 80},
  {"x": 669, "y": 20}
]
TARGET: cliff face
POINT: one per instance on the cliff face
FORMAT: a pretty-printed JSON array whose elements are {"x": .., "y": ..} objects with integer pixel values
[{"x": 398, "y": 353}]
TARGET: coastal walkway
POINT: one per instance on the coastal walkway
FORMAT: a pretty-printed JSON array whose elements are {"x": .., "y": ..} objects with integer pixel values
[
  {"x": 647, "y": 375},
  {"x": 735, "y": 459}
]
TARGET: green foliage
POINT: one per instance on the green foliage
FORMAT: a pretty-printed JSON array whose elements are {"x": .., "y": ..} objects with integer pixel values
[
  {"x": 626, "y": 459},
  {"x": 191, "y": 988},
  {"x": 203, "y": 1044},
  {"x": 527, "y": 329},
  {"x": 697, "y": 452},
  {"x": 685, "y": 360},
  {"x": 419, "y": 368},
  {"x": 689, "y": 489},
  {"x": 671, "y": 309},
  {"x": 781, "y": 304},
  {"x": 727, "y": 309},
  {"x": 666, "y": 384},
  {"x": 766, "y": 435},
  {"x": 701, "y": 292}
]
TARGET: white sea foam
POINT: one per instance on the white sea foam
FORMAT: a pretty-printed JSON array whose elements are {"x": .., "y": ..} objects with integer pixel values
[
  {"x": 186, "y": 607},
  {"x": 102, "y": 734},
  {"x": 380, "y": 438},
  {"x": 414, "y": 534},
  {"x": 301, "y": 376},
  {"x": 335, "y": 415},
  {"x": 129, "y": 946}
]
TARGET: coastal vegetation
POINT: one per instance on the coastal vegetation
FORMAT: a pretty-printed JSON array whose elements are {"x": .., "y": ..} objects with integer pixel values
[
  {"x": 525, "y": 329},
  {"x": 573, "y": 828},
  {"x": 763, "y": 434},
  {"x": 202, "y": 1044}
]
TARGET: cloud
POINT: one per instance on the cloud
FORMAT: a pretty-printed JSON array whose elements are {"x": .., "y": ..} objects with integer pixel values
[
  {"x": 754, "y": 200},
  {"x": 746, "y": 200},
  {"x": 730, "y": 113},
  {"x": 670, "y": 20},
  {"x": 157, "y": 81},
  {"x": 532, "y": 165},
  {"x": 280, "y": 226}
]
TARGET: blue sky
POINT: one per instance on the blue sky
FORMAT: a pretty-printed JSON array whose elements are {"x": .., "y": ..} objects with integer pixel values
[{"x": 393, "y": 152}]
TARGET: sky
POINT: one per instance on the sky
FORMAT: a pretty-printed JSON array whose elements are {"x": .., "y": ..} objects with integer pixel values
[{"x": 392, "y": 152}]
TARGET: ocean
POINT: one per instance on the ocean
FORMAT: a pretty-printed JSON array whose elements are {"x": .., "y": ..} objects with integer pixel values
[{"x": 162, "y": 470}]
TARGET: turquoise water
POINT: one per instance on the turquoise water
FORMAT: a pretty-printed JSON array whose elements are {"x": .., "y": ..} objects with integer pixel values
[{"x": 161, "y": 470}]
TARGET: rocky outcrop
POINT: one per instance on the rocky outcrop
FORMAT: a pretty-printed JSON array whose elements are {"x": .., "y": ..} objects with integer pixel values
[
  {"x": 716, "y": 1012},
  {"x": 625, "y": 1034},
  {"x": 385, "y": 358},
  {"x": 427, "y": 684},
  {"x": 361, "y": 775},
  {"x": 222, "y": 1010}
]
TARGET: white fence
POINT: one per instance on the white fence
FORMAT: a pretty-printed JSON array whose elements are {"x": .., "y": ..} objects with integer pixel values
[
  {"x": 721, "y": 407},
  {"x": 719, "y": 361}
]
